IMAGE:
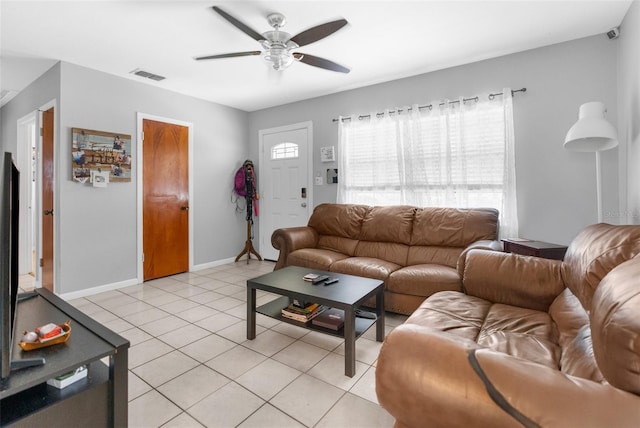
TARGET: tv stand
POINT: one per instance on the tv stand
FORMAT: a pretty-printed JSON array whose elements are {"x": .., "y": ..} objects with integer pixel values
[{"x": 99, "y": 400}]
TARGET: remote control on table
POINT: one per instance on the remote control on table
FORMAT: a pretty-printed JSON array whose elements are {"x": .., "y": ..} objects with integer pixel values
[
  {"x": 319, "y": 279},
  {"x": 331, "y": 281}
]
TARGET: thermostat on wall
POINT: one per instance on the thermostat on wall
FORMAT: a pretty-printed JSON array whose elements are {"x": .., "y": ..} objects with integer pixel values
[{"x": 327, "y": 154}]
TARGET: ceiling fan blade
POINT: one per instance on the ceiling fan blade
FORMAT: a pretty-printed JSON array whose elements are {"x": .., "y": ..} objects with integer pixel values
[
  {"x": 239, "y": 24},
  {"x": 229, "y": 55},
  {"x": 318, "y": 32},
  {"x": 316, "y": 61}
]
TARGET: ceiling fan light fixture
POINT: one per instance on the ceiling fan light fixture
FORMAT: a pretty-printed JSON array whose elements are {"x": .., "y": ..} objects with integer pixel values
[
  {"x": 277, "y": 49},
  {"x": 280, "y": 59}
]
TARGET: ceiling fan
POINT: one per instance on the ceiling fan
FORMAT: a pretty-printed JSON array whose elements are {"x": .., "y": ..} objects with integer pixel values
[{"x": 279, "y": 47}]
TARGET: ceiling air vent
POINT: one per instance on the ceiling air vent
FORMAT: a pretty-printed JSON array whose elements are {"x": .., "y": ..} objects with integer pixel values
[{"x": 148, "y": 75}]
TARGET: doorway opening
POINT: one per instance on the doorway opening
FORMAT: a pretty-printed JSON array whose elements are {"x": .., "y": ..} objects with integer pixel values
[{"x": 26, "y": 158}]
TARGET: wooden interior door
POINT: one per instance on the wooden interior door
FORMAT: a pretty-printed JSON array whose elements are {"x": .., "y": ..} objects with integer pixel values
[
  {"x": 165, "y": 204},
  {"x": 47, "y": 199}
]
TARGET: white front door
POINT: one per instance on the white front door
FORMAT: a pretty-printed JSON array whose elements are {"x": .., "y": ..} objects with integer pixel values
[{"x": 284, "y": 181}]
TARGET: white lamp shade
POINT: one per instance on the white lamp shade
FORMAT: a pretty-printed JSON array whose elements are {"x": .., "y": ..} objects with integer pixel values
[{"x": 592, "y": 132}]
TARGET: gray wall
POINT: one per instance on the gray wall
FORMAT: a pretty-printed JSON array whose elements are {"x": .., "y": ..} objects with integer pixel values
[
  {"x": 43, "y": 90},
  {"x": 556, "y": 188},
  {"x": 98, "y": 227},
  {"x": 629, "y": 115}
]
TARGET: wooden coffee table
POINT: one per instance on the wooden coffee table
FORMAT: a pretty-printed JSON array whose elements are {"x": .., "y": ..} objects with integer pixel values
[{"x": 347, "y": 294}]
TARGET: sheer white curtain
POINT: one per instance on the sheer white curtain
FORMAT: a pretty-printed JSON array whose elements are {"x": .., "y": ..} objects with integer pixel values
[{"x": 452, "y": 154}]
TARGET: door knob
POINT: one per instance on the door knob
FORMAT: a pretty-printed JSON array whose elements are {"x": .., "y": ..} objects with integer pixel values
[
  {"x": 185, "y": 208},
  {"x": 303, "y": 205},
  {"x": 48, "y": 212}
]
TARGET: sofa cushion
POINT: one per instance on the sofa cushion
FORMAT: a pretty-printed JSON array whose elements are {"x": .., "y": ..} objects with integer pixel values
[
  {"x": 338, "y": 244},
  {"x": 574, "y": 337},
  {"x": 344, "y": 220},
  {"x": 315, "y": 258},
  {"x": 452, "y": 227},
  {"x": 367, "y": 267},
  {"x": 594, "y": 252},
  {"x": 452, "y": 312},
  {"x": 615, "y": 326},
  {"x": 424, "y": 280},
  {"x": 390, "y": 251},
  {"x": 520, "y": 332},
  {"x": 388, "y": 224},
  {"x": 448, "y": 256}
]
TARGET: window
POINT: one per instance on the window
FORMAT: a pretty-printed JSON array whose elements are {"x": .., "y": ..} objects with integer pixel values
[
  {"x": 284, "y": 151},
  {"x": 454, "y": 154}
]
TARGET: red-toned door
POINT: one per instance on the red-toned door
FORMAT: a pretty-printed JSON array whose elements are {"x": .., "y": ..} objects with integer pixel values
[
  {"x": 47, "y": 199},
  {"x": 165, "y": 209}
]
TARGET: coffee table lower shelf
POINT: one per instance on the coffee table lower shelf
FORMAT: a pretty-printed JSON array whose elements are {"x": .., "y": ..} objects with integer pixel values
[{"x": 273, "y": 309}]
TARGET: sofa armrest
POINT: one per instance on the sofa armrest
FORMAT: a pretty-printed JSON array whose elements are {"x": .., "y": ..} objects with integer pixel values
[
  {"x": 483, "y": 244},
  {"x": 546, "y": 397},
  {"x": 290, "y": 239},
  {"x": 423, "y": 379},
  {"x": 512, "y": 279}
]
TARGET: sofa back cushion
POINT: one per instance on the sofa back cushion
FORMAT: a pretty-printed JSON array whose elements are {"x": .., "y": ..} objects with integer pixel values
[
  {"x": 342, "y": 220},
  {"x": 615, "y": 326},
  {"x": 338, "y": 226},
  {"x": 593, "y": 253},
  {"x": 440, "y": 234},
  {"x": 388, "y": 224},
  {"x": 386, "y": 232},
  {"x": 453, "y": 227}
]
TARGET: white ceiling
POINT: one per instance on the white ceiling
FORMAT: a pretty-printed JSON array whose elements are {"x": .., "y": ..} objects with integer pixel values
[{"x": 385, "y": 40}]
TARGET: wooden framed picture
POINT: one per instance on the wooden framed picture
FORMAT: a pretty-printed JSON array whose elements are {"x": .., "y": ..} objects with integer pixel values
[{"x": 98, "y": 151}]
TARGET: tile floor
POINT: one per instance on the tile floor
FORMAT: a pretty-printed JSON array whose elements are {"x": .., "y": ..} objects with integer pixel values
[{"x": 190, "y": 364}]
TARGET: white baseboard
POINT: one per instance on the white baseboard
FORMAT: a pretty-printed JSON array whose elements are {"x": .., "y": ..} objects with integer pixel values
[
  {"x": 116, "y": 285},
  {"x": 204, "y": 266},
  {"x": 99, "y": 289}
]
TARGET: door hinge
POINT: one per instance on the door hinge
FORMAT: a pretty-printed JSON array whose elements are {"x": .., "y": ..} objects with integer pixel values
[
  {"x": 142, "y": 136},
  {"x": 142, "y": 257},
  {"x": 41, "y": 132},
  {"x": 41, "y": 262}
]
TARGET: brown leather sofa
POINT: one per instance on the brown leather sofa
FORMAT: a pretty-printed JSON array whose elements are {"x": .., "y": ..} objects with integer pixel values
[
  {"x": 416, "y": 251},
  {"x": 529, "y": 342}
]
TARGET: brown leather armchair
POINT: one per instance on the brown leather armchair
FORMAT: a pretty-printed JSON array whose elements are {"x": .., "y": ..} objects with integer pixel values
[{"x": 529, "y": 342}]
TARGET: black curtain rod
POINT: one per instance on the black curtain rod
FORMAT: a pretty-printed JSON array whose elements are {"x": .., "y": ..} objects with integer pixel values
[{"x": 476, "y": 99}]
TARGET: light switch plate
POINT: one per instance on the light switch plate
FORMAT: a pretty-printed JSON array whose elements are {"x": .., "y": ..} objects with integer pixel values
[{"x": 319, "y": 181}]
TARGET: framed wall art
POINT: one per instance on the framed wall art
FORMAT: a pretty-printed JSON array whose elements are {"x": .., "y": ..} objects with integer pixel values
[{"x": 100, "y": 152}]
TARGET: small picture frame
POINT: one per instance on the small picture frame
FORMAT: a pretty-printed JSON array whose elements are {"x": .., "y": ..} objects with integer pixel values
[{"x": 327, "y": 154}]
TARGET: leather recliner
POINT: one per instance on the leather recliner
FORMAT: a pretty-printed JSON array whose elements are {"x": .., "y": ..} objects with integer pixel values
[{"x": 529, "y": 342}]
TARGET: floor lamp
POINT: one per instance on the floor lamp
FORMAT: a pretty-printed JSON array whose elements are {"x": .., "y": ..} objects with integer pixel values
[{"x": 592, "y": 133}]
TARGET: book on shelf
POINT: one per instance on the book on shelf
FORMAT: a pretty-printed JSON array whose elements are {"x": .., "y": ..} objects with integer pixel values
[
  {"x": 299, "y": 303},
  {"x": 302, "y": 314},
  {"x": 309, "y": 308},
  {"x": 332, "y": 319}
]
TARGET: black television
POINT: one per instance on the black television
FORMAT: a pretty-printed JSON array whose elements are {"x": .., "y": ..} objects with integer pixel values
[{"x": 9, "y": 228}]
